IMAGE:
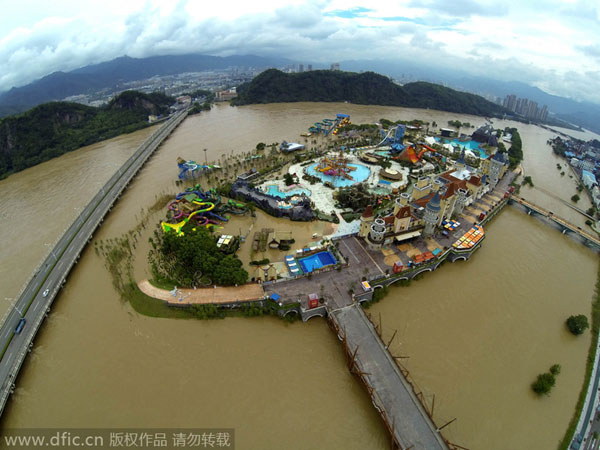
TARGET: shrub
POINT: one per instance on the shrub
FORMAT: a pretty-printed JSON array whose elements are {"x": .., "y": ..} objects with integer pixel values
[
  {"x": 577, "y": 324},
  {"x": 555, "y": 369},
  {"x": 543, "y": 384}
]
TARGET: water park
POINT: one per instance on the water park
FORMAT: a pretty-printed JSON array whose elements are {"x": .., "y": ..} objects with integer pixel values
[
  {"x": 202, "y": 208},
  {"x": 330, "y": 126},
  {"x": 192, "y": 169},
  {"x": 337, "y": 170},
  {"x": 390, "y": 222},
  {"x": 471, "y": 147},
  {"x": 407, "y": 187}
]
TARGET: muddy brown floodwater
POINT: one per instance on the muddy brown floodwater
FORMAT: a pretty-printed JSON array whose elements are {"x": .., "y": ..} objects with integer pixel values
[{"x": 477, "y": 333}]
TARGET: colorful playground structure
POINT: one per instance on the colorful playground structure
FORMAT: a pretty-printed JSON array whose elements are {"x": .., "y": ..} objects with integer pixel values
[
  {"x": 398, "y": 151},
  {"x": 336, "y": 166},
  {"x": 327, "y": 126},
  {"x": 393, "y": 138},
  {"x": 204, "y": 208},
  {"x": 190, "y": 169},
  {"x": 410, "y": 153}
]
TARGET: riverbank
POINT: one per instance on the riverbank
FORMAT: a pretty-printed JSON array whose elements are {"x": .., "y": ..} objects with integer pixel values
[{"x": 589, "y": 369}]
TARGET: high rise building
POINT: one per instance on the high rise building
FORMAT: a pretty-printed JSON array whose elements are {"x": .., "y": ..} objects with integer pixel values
[
  {"x": 532, "y": 110},
  {"x": 300, "y": 67},
  {"x": 525, "y": 107},
  {"x": 335, "y": 66},
  {"x": 309, "y": 68},
  {"x": 510, "y": 102}
]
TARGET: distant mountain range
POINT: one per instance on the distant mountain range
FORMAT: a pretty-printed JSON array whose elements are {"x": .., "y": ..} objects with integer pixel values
[
  {"x": 368, "y": 88},
  {"x": 108, "y": 74},
  {"x": 584, "y": 114},
  {"x": 59, "y": 85}
]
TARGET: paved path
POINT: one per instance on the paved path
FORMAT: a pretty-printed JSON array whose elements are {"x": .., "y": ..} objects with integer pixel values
[
  {"x": 391, "y": 392},
  {"x": 245, "y": 293}
]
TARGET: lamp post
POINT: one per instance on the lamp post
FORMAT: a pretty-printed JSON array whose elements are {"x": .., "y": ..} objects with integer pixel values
[
  {"x": 14, "y": 304},
  {"x": 205, "y": 160},
  {"x": 51, "y": 251}
]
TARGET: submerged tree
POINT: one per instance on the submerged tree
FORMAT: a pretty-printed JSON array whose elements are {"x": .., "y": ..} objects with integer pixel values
[
  {"x": 544, "y": 383},
  {"x": 577, "y": 324}
]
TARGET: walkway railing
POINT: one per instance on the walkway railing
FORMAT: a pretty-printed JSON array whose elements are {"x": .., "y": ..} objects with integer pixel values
[{"x": 550, "y": 215}]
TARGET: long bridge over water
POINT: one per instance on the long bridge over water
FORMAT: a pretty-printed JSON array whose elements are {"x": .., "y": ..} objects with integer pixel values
[
  {"x": 563, "y": 225},
  {"x": 35, "y": 299}
]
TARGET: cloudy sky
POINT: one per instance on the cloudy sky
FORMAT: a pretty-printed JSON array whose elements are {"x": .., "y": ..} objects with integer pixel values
[{"x": 552, "y": 44}]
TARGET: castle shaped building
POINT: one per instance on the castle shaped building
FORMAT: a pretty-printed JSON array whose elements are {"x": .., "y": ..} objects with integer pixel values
[{"x": 433, "y": 199}]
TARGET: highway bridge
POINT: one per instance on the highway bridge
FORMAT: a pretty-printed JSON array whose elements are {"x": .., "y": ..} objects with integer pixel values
[
  {"x": 34, "y": 301},
  {"x": 563, "y": 225}
]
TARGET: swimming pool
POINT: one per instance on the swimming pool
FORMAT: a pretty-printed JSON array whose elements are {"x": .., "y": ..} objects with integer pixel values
[
  {"x": 273, "y": 190},
  {"x": 316, "y": 261},
  {"x": 380, "y": 190},
  {"x": 468, "y": 145},
  {"x": 359, "y": 174}
]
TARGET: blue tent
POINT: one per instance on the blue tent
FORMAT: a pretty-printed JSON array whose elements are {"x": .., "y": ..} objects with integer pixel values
[{"x": 275, "y": 296}]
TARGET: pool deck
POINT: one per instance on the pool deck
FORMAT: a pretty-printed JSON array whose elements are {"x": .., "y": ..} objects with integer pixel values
[{"x": 322, "y": 196}]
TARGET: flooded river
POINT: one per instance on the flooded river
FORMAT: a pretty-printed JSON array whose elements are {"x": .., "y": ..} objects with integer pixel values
[{"x": 477, "y": 333}]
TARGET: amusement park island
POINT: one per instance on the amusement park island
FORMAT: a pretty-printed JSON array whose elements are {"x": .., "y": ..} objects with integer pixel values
[
  {"x": 355, "y": 207},
  {"x": 321, "y": 228}
]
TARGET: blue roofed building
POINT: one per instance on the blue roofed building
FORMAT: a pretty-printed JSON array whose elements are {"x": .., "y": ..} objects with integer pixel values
[{"x": 589, "y": 180}]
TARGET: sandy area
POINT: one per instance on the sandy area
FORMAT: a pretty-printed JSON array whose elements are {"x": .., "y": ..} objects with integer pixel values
[
  {"x": 390, "y": 260},
  {"x": 244, "y": 293}
]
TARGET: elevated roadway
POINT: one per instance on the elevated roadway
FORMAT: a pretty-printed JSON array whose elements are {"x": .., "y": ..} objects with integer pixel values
[{"x": 34, "y": 301}]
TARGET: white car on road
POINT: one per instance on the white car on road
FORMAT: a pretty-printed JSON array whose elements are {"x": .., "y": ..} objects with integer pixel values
[{"x": 46, "y": 292}]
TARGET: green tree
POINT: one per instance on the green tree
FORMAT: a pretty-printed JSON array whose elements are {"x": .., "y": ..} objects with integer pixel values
[
  {"x": 260, "y": 146},
  {"x": 192, "y": 257},
  {"x": 543, "y": 384},
  {"x": 288, "y": 179},
  {"x": 577, "y": 324},
  {"x": 575, "y": 198},
  {"x": 555, "y": 369},
  {"x": 527, "y": 180}
]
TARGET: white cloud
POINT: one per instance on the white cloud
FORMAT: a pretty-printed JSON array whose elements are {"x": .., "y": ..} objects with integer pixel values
[{"x": 549, "y": 43}]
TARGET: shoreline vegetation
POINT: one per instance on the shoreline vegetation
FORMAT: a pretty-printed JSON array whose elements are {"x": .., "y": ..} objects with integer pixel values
[
  {"x": 594, "y": 329},
  {"x": 118, "y": 254},
  {"x": 53, "y": 129}
]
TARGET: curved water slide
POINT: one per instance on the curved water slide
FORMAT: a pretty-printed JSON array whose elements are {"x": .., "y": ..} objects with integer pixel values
[
  {"x": 188, "y": 167},
  {"x": 428, "y": 148},
  {"x": 178, "y": 226},
  {"x": 388, "y": 136},
  {"x": 216, "y": 216}
]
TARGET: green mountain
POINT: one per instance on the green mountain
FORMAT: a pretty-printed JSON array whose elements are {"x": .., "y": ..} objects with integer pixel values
[
  {"x": 51, "y": 129},
  {"x": 368, "y": 88}
]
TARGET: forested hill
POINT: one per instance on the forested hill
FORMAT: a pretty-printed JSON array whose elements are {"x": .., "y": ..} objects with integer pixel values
[
  {"x": 51, "y": 129},
  {"x": 369, "y": 88}
]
